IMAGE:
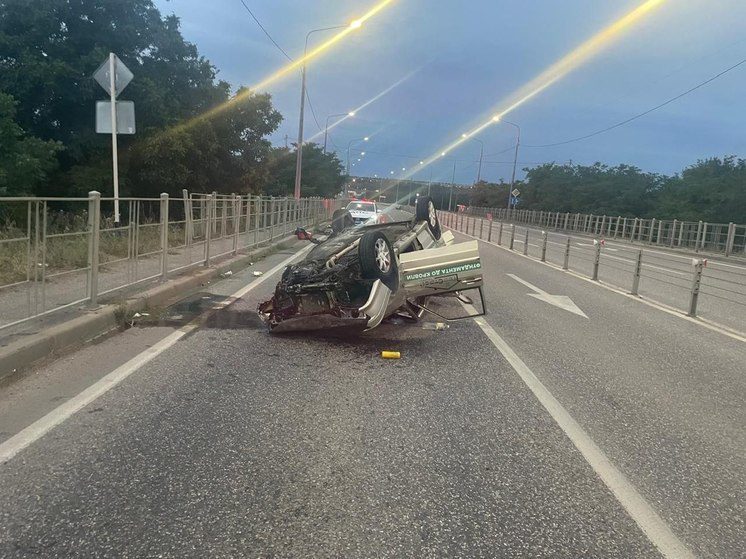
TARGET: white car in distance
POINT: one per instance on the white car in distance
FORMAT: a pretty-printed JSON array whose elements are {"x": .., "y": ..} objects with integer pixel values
[{"x": 363, "y": 212}]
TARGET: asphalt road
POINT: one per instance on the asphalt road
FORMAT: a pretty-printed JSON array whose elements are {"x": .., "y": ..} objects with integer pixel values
[
  {"x": 233, "y": 442},
  {"x": 666, "y": 275}
]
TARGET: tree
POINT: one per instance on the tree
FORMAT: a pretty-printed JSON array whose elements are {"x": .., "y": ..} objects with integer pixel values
[
  {"x": 25, "y": 161},
  {"x": 711, "y": 190},
  {"x": 489, "y": 195},
  {"x": 599, "y": 189},
  {"x": 227, "y": 153},
  {"x": 49, "y": 50},
  {"x": 322, "y": 173}
]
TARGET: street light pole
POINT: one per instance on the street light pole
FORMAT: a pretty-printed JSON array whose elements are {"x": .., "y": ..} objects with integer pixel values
[
  {"x": 349, "y": 145},
  {"x": 453, "y": 180},
  {"x": 299, "y": 154},
  {"x": 481, "y": 155},
  {"x": 326, "y": 127},
  {"x": 515, "y": 158}
]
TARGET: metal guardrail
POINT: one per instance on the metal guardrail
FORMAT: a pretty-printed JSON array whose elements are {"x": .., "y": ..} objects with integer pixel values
[
  {"x": 726, "y": 238},
  {"x": 694, "y": 286},
  {"x": 56, "y": 253}
]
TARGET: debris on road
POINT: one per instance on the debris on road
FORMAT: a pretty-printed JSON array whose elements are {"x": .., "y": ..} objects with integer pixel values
[
  {"x": 435, "y": 326},
  {"x": 391, "y": 355},
  {"x": 227, "y": 274},
  {"x": 258, "y": 273}
]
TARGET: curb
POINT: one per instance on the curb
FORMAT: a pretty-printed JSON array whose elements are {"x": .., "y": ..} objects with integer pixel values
[{"x": 62, "y": 338}]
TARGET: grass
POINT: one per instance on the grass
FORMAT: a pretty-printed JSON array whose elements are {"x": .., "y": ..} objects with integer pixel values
[{"x": 71, "y": 251}]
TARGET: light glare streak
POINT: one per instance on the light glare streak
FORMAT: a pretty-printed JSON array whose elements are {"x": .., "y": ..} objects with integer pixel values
[
  {"x": 290, "y": 67},
  {"x": 370, "y": 101},
  {"x": 557, "y": 71}
]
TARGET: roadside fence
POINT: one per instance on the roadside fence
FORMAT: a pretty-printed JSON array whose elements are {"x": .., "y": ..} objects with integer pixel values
[
  {"x": 726, "y": 238},
  {"x": 56, "y": 253},
  {"x": 695, "y": 286}
]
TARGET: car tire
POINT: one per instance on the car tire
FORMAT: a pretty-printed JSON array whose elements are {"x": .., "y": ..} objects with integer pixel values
[
  {"x": 425, "y": 211},
  {"x": 377, "y": 259},
  {"x": 341, "y": 220}
]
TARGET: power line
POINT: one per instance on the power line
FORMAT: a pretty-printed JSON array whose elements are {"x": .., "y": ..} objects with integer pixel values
[
  {"x": 627, "y": 121},
  {"x": 275, "y": 43},
  {"x": 259, "y": 23}
]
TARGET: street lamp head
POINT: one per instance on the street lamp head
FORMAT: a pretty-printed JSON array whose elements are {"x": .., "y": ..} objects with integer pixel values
[
  {"x": 366, "y": 139},
  {"x": 351, "y": 113},
  {"x": 362, "y": 153},
  {"x": 403, "y": 168},
  {"x": 422, "y": 162},
  {"x": 359, "y": 159},
  {"x": 496, "y": 118},
  {"x": 464, "y": 136},
  {"x": 356, "y": 24},
  {"x": 392, "y": 172}
]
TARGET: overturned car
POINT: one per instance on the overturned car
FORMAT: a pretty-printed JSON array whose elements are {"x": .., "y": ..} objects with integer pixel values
[{"x": 361, "y": 274}]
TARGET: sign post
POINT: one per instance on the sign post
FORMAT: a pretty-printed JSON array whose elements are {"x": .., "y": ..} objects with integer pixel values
[
  {"x": 114, "y": 150},
  {"x": 114, "y": 76}
]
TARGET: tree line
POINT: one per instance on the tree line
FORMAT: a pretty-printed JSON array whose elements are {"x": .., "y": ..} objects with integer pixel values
[
  {"x": 712, "y": 190},
  {"x": 49, "y": 50}
]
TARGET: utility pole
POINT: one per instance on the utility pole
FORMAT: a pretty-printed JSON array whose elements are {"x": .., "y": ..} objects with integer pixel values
[{"x": 453, "y": 180}]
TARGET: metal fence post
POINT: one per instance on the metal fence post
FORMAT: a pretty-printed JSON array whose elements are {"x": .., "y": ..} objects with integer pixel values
[
  {"x": 660, "y": 233},
  {"x": 209, "y": 201},
  {"x": 481, "y": 228},
  {"x": 652, "y": 230},
  {"x": 500, "y": 233},
  {"x": 544, "y": 246},
  {"x": 596, "y": 259},
  {"x": 237, "y": 208},
  {"x": 94, "y": 220},
  {"x": 699, "y": 235},
  {"x": 525, "y": 243},
  {"x": 634, "y": 228},
  {"x": 272, "y": 219},
  {"x": 603, "y": 226},
  {"x": 214, "y": 205},
  {"x": 567, "y": 219},
  {"x": 696, "y": 281},
  {"x": 673, "y": 233},
  {"x": 638, "y": 272},
  {"x": 512, "y": 235},
  {"x": 188, "y": 226},
  {"x": 566, "y": 263},
  {"x": 730, "y": 240},
  {"x": 164, "y": 236},
  {"x": 704, "y": 235},
  {"x": 616, "y": 227},
  {"x": 489, "y": 232}
]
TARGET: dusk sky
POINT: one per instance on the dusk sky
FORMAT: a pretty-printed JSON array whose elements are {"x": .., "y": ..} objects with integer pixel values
[{"x": 464, "y": 58}]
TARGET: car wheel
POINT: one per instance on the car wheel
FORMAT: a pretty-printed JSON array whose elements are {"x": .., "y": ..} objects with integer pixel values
[
  {"x": 341, "y": 220},
  {"x": 425, "y": 211},
  {"x": 377, "y": 259}
]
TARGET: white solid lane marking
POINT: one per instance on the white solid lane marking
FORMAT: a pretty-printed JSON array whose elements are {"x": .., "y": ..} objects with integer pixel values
[
  {"x": 561, "y": 301},
  {"x": 652, "y": 525},
  {"x": 42, "y": 426}
]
